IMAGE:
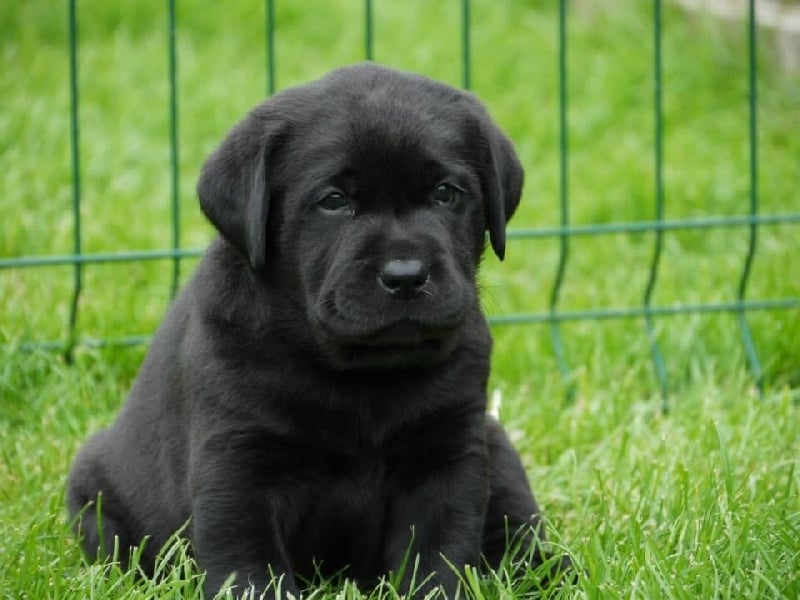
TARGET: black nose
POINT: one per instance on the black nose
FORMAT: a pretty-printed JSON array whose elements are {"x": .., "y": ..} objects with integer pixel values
[{"x": 404, "y": 278}]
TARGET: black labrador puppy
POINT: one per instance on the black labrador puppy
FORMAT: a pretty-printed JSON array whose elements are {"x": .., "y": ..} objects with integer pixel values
[{"x": 315, "y": 400}]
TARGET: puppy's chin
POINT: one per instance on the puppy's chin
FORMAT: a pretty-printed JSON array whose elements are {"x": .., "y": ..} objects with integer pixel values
[{"x": 397, "y": 346}]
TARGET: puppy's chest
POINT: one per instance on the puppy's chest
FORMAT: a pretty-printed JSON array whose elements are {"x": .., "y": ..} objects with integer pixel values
[
  {"x": 345, "y": 472},
  {"x": 350, "y": 472},
  {"x": 340, "y": 506}
]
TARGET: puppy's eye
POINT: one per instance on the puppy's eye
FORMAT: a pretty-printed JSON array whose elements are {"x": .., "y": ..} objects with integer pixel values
[
  {"x": 445, "y": 194},
  {"x": 334, "y": 202}
]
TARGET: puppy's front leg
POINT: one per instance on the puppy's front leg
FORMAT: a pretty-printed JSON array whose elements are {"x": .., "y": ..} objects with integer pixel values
[
  {"x": 437, "y": 514},
  {"x": 229, "y": 542},
  {"x": 514, "y": 526},
  {"x": 236, "y": 525}
]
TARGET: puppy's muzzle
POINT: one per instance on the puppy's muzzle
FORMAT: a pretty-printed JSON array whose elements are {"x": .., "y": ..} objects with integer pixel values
[{"x": 404, "y": 279}]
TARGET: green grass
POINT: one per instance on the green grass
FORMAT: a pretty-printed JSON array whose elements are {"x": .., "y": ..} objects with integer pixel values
[{"x": 703, "y": 502}]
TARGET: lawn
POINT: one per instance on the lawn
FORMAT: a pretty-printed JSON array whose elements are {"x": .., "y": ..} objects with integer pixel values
[{"x": 700, "y": 502}]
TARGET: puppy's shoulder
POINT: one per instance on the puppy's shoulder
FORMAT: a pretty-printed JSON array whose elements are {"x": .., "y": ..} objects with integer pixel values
[{"x": 224, "y": 288}]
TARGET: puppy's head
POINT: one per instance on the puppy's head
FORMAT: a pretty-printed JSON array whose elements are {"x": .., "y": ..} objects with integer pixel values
[{"x": 370, "y": 191}]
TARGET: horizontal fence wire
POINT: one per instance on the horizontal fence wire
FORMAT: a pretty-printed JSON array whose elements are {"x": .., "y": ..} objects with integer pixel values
[
  {"x": 564, "y": 232},
  {"x": 533, "y": 233}
]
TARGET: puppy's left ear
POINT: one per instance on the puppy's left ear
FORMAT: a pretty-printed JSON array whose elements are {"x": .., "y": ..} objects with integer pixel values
[
  {"x": 502, "y": 188},
  {"x": 233, "y": 186}
]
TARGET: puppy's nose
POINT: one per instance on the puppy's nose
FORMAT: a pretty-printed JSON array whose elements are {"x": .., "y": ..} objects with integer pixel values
[{"x": 404, "y": 278}]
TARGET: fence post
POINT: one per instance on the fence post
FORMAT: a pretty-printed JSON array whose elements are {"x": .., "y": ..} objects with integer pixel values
[
  {"x": 658, "y": 154},
  {"x": 174, "y": 151},
  {"x": 269, "y": 26},
  {"x": 563, "y": 256},
  {"x": 466, "y": 47},
  {"x": 747, "y": 337},
  {"x": 369, "y": 47},
  {"x": 76, "y": 183}
]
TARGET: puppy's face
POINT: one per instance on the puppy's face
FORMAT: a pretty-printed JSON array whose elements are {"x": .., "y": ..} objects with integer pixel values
[{"x": 373, "y": 189}]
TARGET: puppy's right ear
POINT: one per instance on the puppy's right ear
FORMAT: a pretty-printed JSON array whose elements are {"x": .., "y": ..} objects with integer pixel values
[{"x": 233, "y": 187}]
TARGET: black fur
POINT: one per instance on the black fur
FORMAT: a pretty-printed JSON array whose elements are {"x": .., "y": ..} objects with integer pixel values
[{"x": 299, "y": 407}]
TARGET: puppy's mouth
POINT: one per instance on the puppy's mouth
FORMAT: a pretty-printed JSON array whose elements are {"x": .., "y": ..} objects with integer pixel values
[
  {"x": 402, "y": 333},
  {"x": 402, "y": 343},
  {"x": 399, "y": 335}
]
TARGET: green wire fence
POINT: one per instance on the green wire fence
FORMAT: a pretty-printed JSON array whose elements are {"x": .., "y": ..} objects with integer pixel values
[{"x": 554, "y": 316}]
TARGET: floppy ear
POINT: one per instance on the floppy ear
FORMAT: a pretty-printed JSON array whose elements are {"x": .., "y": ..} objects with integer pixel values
[
  {"x": 503, "y": 186},
  {"x": 233, "y": 187}
]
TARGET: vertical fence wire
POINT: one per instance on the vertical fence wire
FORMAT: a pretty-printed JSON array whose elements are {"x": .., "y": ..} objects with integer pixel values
[
  {"x": 369, "y": 43},
  {"x": 658, "y": 154},
  {"x": 269, "y": 26},
  {"x": 76, "y": 181},
  {"x": 563, "y": 256},
  {"x": 747, "y": 336},
  {"x": 173, "y": 145},
  {"x": 466, "y": 46}
]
